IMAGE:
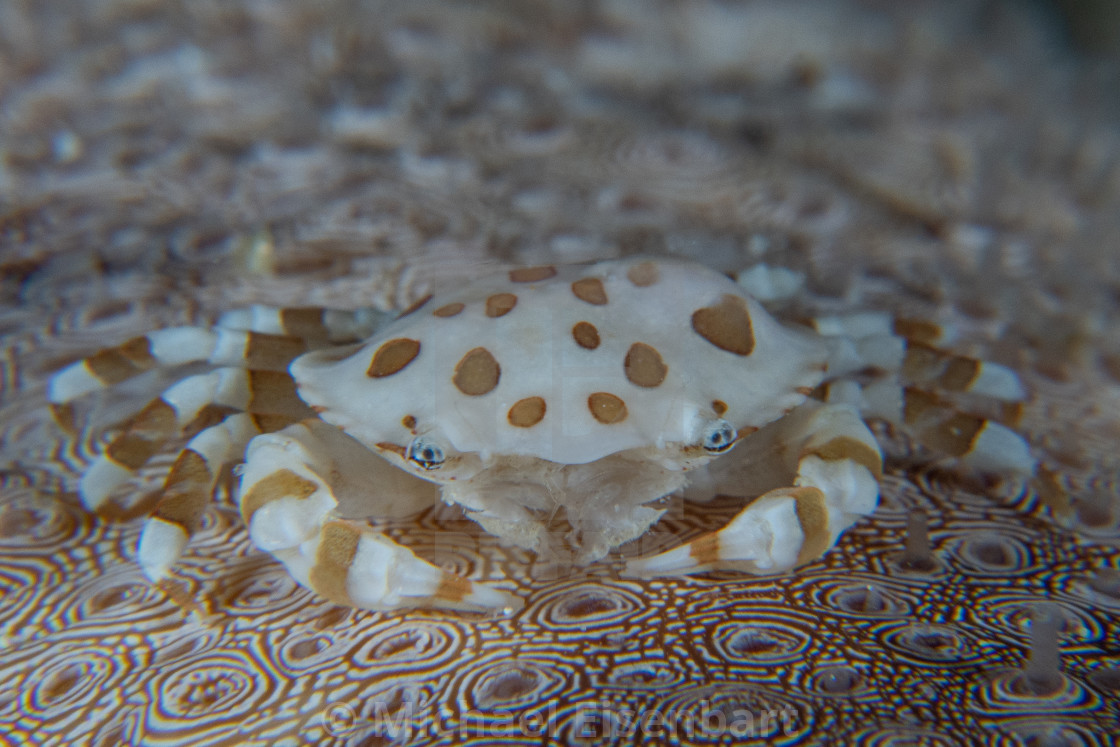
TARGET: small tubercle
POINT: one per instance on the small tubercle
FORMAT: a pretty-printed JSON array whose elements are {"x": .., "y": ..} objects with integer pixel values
[
  {"x": 918, "y": 555},
  {"x": 1042, "y": 674}
]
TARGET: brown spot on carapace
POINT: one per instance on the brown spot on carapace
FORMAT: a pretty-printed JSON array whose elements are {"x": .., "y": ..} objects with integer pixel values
[
  {"x": 395, "y": 448},
  {"x": 392, "y": 356},
  {"x": 643, "y": 366},
  {"x": 477, "y": 373},
  {"x": 416, "y": 306},
  {"x": 719, "y": 407},
  {"x": 450, "y": 309},
  {"x": 531, "y": 274},
  {"x": 586, "y": 335},
  {"x": 806, "y": 390},
  {"x": 643, "y": 274},
  {"x": 280, "y": 484},
  {"x": 527, "y": 412},
  {"x": 408, "y": 421},
  {"x": 606, "y": 408},
  {"x": 727, "y": 325},
  {"x": 500, "y": 304},
  {"x": 590, "y": 290}
]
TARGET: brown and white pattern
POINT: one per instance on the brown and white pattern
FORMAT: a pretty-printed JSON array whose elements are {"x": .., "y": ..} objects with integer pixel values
[{"x": 157, "y": 172}]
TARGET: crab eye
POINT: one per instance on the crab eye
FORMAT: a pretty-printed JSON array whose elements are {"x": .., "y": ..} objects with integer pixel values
[
  {"x": 425, "y": 453},
  {"x": 719, "y": 436}
]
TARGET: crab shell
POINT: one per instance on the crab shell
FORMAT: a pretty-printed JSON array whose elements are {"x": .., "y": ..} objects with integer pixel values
[{"x": 567, "y": 365}]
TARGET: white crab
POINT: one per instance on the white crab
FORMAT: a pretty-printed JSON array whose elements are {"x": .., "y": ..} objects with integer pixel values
[{"x": 583, "y": 393}]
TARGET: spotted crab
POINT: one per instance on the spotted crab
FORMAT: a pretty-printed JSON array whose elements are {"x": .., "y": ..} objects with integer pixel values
[{"x": 587, "y": 392}]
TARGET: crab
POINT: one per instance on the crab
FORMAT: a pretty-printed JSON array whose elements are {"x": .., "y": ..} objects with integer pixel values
[{"x": 588, "y": 391}]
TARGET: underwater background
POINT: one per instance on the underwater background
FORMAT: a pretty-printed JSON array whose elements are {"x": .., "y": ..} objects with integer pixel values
[{"x": 162, "y": 162}]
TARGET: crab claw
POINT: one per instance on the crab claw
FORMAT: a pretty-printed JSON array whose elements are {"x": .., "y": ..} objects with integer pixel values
[
  {"x": 835, "y": 480},
  {"x": 292, "y": 513}
]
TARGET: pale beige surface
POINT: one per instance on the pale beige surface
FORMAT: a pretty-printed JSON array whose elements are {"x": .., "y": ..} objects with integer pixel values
[{"x": 162, "y": 162}]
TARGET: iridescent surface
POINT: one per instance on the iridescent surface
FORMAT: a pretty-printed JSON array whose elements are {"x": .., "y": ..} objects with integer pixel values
[{"x": 948, "y": 161}]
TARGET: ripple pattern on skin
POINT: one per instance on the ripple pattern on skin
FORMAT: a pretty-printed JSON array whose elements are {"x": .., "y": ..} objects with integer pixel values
[
  {"x": 633, "y": 637},
  {"x": 257, "y": 591},
  {"x": 32, "y": 526},
  {"x": 720, "y": 714},
  {"x": 765, "y": 640},
  {"x": 1042, "y": 729},
  {"x": 583, "y": 606},
  {"x": 207, "y": 696},
  {"x": 645, "y": 646},
  {"x": 891, "y": 735},
  {"x": 896, "y": 174},
  {"x": 51, "y": 686},
  {"x": 422, "y": 649},
  {"x": 120, "y": 597}
]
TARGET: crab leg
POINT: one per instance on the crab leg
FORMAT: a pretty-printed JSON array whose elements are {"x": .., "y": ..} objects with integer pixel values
[
  {"x": 837, "y": 464},
  {"x": 291, "y": 490},
  {"x": 875, "y": 340},
  {"x": 190, "y": 486},
  {"x": 863, "y": 341},
  {"x": 166, "y": 347},
  {"x": 314, "y": 324},
  {"x": 929, "y": 367},
  {"x": 270, "y": 392},
  {"x": 978, "y": 442}
]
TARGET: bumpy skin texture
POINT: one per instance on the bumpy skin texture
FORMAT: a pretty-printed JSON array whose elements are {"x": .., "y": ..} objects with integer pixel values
[{"x": 554, "y": 405}]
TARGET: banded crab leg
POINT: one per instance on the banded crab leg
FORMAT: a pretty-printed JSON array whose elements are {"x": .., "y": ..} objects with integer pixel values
[
  {"x": 259, "y": 337},
  {"x": 166, "y": 347},
  {"x": 291, "y": 490},
  {"x": 872, "y": 341},
  {"x": 830, "y": 461},
  {"x": 190, "y": 485},
  {"x": 977, "y": 442},
  {"x": 876, "y": 341},
  {"x": 314, "y": 324},
  {"x": 262, "y": 392}
]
